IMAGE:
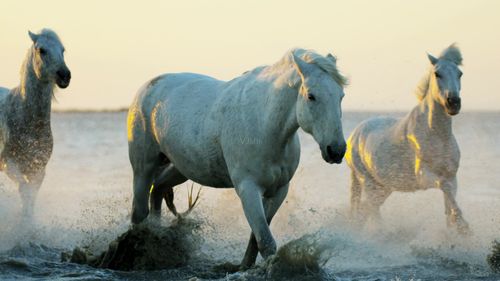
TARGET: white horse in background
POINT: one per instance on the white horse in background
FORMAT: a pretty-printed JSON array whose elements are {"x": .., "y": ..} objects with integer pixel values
[
  {"x": 413, "y": 153},
  {"x": 25, "y": 134},
  {"x": 241, "y": 133}
]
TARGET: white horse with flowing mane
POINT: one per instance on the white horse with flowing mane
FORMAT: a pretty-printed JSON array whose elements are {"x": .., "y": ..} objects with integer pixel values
[
  {"x": 413, "y": 153},
  {"x": 241, "y": 133},
  {"x": 25, "y": 134}
]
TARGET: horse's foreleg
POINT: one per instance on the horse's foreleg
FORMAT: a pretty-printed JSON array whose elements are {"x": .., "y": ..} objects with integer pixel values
[
  {"x": 251, "y": 198},
  {"x": 454, "y": 217},
  {"x": 28, "y": 189},
  {"x": 271, "y": 206}
]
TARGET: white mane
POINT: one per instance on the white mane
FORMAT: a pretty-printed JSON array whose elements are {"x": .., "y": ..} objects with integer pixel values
[
  {"x": 452, "y": 53},
  {"x": 328, "y": 64},
  {"x": 423, "y": 87},
  {"x": 49, "y": 34}
]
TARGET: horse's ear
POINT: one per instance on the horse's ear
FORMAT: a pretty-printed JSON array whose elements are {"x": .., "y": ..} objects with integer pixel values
[
  {"x": 332, "y": 58},
  {"x": 302, "y": 67},
  {"x": 33, "y": 36},
  {"x": 432, "y": 59}
]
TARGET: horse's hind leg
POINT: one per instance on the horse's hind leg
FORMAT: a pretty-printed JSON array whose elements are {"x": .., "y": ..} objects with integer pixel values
[
  {"x": 376, "y": 195},
  {"x": 356, "y": 189},
  {"x": 145, "y": 162},
  {"x": 163, "y": 189},
  {"x": 453, "y": 213},
  {"x": 271, "y": 206},
  {"x": 142, "y": 183}
]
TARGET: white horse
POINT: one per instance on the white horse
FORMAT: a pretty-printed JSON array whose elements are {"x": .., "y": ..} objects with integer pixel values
[
  {"x": 241, "y": 133},
  {"x": 25, "y": 133},
  {"x": 413, "y": 153}
]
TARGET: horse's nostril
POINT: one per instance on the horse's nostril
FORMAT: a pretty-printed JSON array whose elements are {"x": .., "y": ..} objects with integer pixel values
[
  {"x": 329, "y": 150},
  {"x": 335, "y": 155},
  {"x": 63, "y": 74},
  {"x": 453, "y": 101}
]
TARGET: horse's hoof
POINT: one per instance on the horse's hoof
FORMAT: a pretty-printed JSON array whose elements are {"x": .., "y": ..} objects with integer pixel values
[
  {"x": 228, "y": 267},
  {"x": 269, "y": 250},
  {"x": 137, "y": 217}
]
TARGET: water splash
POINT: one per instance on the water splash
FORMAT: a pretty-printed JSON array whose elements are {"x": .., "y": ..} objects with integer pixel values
[{"x": 493, "y": 259}]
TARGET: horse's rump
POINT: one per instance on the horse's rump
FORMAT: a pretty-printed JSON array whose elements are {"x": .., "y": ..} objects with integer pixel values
[
  {"x": 366, "y": 142},
  {"x": 173, "y": 108}
]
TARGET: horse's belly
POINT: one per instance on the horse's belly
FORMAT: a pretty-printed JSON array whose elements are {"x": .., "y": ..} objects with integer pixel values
[
  {"x": 201, "y": 162},
  {"x": 207, "y": 175}
]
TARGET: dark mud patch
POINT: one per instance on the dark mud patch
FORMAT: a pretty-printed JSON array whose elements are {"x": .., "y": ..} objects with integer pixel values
[
  {"x": 493, "y": 259},
  {"x": 145, "y": 247}
]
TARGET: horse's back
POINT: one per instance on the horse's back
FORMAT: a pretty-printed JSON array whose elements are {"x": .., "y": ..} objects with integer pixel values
[
  {"x": 169, "y": 93},
  {"x": 4, "y": 92},
  {"x": 373, "y": 128}
]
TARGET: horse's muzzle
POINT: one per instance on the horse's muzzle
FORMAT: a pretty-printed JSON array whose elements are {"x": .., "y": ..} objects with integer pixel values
[
  {"x": 453, "y": 105},
  {"x": 334, "y": 154},
  {"x": 63, "y": 78}
]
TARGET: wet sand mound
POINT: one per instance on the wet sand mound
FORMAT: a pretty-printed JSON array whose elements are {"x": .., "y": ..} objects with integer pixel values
[
  {"x": 299, "y": 259},
  {"x": 145, "y": 247},
  {"x": 493, "y": 259}
]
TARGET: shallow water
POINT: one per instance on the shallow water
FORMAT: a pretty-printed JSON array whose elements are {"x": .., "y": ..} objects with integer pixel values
[{"x": 86, "y": 199}]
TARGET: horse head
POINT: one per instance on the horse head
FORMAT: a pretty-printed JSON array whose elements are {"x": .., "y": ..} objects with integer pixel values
[
  {"x": 445, "y": 79},
  {"x": 48, "y": 58},
  {"x": 319, "y": 101}
]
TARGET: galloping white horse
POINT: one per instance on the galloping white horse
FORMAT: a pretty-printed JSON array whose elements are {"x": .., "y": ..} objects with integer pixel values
[
  {"x": 413, "y": 153},
  {"x": 241, "y": 133},
  {"x": 25, "y": 134}
]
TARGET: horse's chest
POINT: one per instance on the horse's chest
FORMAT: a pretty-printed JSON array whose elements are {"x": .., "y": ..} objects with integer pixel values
[
  {"x": 279, "y": 172},
  {"x": 278, "y": 175},
  {"x": 30, "y": 150},
  {"x": 437, "y": 162}
]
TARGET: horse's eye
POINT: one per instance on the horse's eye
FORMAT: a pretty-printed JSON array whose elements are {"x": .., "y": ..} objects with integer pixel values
[
  {"x": 42, "y": 51},
  {"x": 311, "y": 97},
  {"x": 437, "y": 75}
]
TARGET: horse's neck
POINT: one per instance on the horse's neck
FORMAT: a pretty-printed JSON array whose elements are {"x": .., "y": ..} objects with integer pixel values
[
  {"x": 35, "y": 96},
  {"x": 432, "y": 118},
  {"x": 281, "y": 105}
]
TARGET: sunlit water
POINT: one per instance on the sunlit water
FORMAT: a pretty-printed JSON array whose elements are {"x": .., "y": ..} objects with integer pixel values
[{"x": 86, "y": 199}]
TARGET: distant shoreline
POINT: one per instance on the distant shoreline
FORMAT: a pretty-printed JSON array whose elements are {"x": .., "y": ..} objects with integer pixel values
[{"x": 124, "y": 109}]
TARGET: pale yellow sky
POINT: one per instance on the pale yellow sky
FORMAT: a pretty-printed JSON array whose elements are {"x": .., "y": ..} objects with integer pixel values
[{"x": 113, "y": 47}]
